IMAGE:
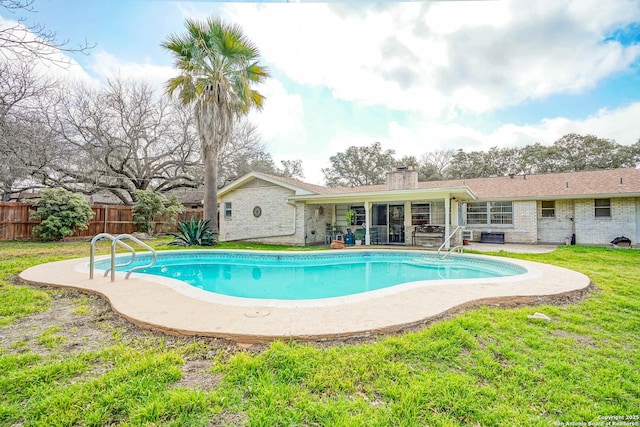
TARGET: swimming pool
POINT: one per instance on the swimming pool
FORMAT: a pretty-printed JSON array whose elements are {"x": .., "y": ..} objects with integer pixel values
[
  {"x": 311, "y": 276},
  {"x": 173, "y": 306}
]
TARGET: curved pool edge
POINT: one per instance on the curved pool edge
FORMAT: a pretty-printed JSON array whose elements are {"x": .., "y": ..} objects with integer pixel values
[
  {"x": 203, "y": 295},
  {"x": 154, "y": 305}
]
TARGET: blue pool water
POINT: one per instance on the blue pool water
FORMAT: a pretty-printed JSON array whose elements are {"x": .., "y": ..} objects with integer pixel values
[{"x": 303, "y": 276}]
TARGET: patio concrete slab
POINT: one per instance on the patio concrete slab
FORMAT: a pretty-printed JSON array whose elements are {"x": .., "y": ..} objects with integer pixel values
[{"x": 150, "y": 303}]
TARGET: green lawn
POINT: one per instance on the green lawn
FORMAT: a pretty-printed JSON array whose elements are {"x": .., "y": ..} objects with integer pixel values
[{"x": 489, "y": 366}]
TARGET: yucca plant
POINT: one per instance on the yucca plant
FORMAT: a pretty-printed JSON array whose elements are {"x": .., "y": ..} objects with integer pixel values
[{"x": 194, "y": 233}]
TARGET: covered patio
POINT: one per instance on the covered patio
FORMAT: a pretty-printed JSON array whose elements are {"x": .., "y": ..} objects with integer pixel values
[{"x": 393, "y": 217}]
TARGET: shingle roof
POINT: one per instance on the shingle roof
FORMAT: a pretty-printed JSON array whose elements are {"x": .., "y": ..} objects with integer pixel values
[
  {"x": 609, "y": 182},
  {"x": 553, "y": 185},
  {"x": 319, "y": 189}
]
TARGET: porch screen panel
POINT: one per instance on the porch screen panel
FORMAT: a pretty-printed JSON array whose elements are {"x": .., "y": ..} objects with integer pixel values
[
  {"x": 360, "y": 214},
  {"x": 420, "y": 213},
  {"x": 437, "y": 212}
]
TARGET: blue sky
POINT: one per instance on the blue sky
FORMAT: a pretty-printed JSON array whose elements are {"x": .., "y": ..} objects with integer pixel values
[{"x": 416, "y": 76}]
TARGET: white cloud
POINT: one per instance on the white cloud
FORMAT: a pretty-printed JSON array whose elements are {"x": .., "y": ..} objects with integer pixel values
[
  {"x": 433, "y": 60},
  {"x": 439, "y": 57},
  {"x": 619, "y": 124},
  {"x": 280, "y": 121},
  {"x": 47, "y": 60},
  {"x": 544, "y": 49},
  {"x": 106, "y": 66}
]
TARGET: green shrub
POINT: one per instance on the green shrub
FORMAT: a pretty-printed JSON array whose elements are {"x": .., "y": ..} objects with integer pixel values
[
  {"x": 194, "y": 233},
  {"x": 61, "y": 212},
  {"x": 149, "y": 207}
]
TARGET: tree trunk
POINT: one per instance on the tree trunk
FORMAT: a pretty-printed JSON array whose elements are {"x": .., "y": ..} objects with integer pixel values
[{"x": 210, "y": 158}]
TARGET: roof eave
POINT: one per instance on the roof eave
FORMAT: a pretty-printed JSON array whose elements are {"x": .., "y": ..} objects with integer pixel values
[
  {"x": 251, "y": 175},
  {"x": 463, "y": 193},
  {"x": 564, "y": 197}
]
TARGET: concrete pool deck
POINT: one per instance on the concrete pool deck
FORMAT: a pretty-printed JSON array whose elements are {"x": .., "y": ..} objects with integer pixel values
[{"x": 154, "y": 305}]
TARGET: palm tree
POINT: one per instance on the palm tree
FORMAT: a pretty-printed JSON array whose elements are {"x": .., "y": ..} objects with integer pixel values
[{"x": 218, "y": 66}]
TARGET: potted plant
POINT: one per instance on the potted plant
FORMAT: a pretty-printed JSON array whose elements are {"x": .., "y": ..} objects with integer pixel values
[
  {"x": 360, "y": 233},
  {"x": 351, "y": 217}
]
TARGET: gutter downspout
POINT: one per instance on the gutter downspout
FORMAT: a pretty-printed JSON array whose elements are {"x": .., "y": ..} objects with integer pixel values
[{"x": 295, "y": 223}]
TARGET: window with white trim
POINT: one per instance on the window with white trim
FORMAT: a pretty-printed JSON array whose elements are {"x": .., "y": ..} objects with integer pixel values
[
  {"x": 227, "y": 210},
  {"x": 548, "y": 208},
  {"x": 490, "y": 213},
  {"x": 602, "y": 208},
  {"x": 476, "y": 213}
]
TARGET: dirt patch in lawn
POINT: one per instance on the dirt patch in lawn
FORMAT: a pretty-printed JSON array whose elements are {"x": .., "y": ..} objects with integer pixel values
[
  {"x": 196, "y": 374},
  {"x": 75, "y": 323},
  {"x": 65, "y": 320}
]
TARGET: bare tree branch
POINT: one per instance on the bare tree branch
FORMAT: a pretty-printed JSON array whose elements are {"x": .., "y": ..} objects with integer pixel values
[
  {"x": 36, "y": 40},
  {"x": 122, "y": 139},
  {"x": 23, "y": 146}
]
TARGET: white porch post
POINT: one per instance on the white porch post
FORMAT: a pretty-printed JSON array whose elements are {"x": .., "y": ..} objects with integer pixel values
[
  {"x": 367, "y": 221},
  {"x": 447, "y": 221},
  {"x": 407, "y": 221},
  {"x": 455, "y": 218}
]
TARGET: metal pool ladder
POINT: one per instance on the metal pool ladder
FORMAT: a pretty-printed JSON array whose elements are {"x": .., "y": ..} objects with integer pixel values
[
  {"x": 458, "y": 248},
  {"x": 117, "y": 240}
]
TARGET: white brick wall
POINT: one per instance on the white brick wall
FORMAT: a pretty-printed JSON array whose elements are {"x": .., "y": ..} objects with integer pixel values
[
  {"x": 589, "y": 229},
  {"x": 525, "y": 227},
  {"x": 557, "y": 229},
  {"x": 602, "y": 230},
  {"x": 276, "y": 224},
  {"x": 530, "y": 227}
]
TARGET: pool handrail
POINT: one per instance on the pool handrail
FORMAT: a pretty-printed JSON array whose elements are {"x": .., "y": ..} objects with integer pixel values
[
  {"x": 458, "y": 248},
  {"x": 117, "y": 240},
  {"x": 131, "y": 270},
  {"x": 93, "y": 251},
  {"x": 460, "y": 227}
]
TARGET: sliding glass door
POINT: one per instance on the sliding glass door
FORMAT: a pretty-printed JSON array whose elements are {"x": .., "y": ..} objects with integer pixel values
[{"x": 387, "y": 223}]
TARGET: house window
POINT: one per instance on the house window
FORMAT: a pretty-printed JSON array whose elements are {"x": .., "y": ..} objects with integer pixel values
[
  {"x": 490, "y": 213},
  {"x": 227, "y": 210},
  {"x": 548, "y": 208},
  {"x": 476, "y": 213},
  {"x": 603, "y": 208},
  {"x": 501, "y": 212},
  {"x": 420, "y": 213}
]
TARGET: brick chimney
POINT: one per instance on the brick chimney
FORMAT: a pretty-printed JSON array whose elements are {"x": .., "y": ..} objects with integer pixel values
[{"x": 403, "y": 178}]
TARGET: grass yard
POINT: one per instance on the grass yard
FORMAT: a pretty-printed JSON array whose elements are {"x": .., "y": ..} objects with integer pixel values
[{"x": 66, "y": 359}]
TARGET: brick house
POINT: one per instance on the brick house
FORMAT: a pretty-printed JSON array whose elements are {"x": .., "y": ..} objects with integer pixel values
[{"x": 592, "y": 207}]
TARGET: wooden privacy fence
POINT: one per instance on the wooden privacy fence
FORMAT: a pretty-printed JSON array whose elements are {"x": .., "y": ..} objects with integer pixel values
[{"x": 15, "y": 223}]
